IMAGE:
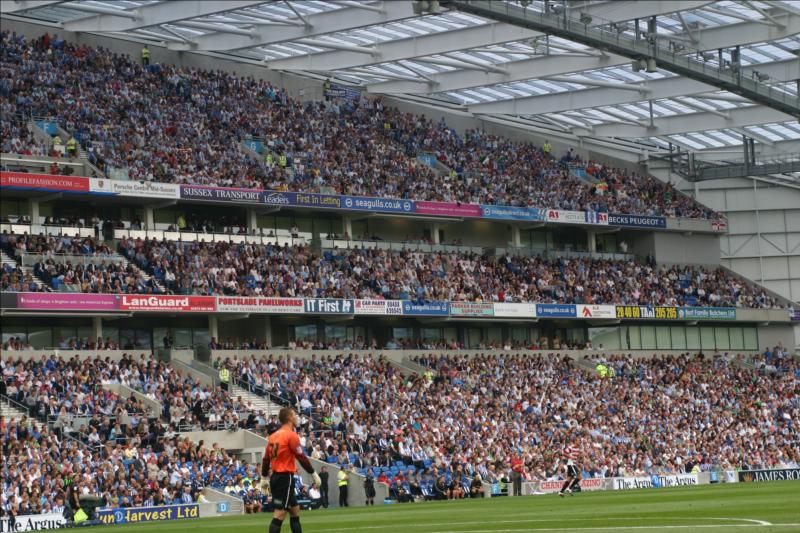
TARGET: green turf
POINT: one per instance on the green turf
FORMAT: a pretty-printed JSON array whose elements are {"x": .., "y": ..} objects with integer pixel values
[{"x": 713, "y": 508}]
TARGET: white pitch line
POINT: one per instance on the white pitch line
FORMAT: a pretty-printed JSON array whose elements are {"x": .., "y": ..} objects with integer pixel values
[
  {"x": 751, "y": 523},
  {"x": 613, "y": 528}
]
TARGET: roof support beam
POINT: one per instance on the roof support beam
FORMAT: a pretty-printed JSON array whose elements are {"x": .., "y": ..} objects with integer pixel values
[
  {"x": 318, "y": 24},
  {"x": 578, "y": 31},
  {"x": 597, "y": 83},
  {"x": 414, "y": 47},
  {"x": 219, "y": 28},
  {"x": 104, "y": 11},
  {"x": 745, "y": 116},
  {"x": 547, "y": 65},
  {"x": 155, "y": 15},
  {"x": 474, "y": 37},
  {"x": 320, "y": 43},
  {"x": 660, "y": 88},
  {"x": 361, "y": 5},
  {"x": 16, "y": 6}
]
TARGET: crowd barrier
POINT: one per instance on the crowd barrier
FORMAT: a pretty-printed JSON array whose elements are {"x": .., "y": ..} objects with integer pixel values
[
  {"x": 203, "y": 510},
  {"x": 621, "y": 483}
]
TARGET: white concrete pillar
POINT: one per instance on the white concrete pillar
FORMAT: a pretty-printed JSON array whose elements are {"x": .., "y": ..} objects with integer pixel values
[
  {"x": 252, "y": 222},
  {"x": 97, "y": 327},
  {"x": 435, "y": 227},
  {"x": 347, "y": 225},
  {"x": 213, "y": 327},
  {"x": 149, "y": 219},
  {"x": 591, "y": 240},
  {"x": 516, "y": 236},
  {"x": 34, "y": 210}
]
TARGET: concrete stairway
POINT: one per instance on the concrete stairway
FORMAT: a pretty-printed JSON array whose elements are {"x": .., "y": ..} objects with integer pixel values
[
  {"x": 259, "y": 403},
  {"x": 5, "y": 260},
  {"x": 11, "y": 411},
  {"x": 117, "y": 258}
]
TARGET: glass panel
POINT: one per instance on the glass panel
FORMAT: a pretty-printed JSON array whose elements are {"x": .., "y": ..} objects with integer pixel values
[
  {"x": 678, "y": 337},
  {"x": 355, "y": 333},
  {"x": 158, "y": 336},
  {"x": 450, "y": 334},
  {"x": 431, "y": 334},
  {"x": 335, "y": 332},
  {"x": 359, "y": 228},
  {"x": 721, "y": 336},
  {"x": 403, "y": 333},
  {"x": 39, "y": 337},
  {"x": 494, "y": 333},
  {"x": 305, "y": 333},
  {"x": 608, "y": 338},
  {"x": 62, "y": 336},
  {"x": 134, "y": 339},
  {"x": 750, "y": 339},
  {"x": 707, "y": 338},
  {"x": 693, "y": 338},
  {"x": 648, "y": 337},
  {"x": 14, "y": 333},
  {"x": 519, "y": 334},
  {"x": 633, "y": 338},
  {"x": 576, "y": 334},
  {"x": 85, "y": 334},
  {"x": 737, "y": 338},
  {"x": 111, "y": 332},
  {"x": 183, "y": 337},
  {"x": 267, "y": 223},
  {"x": 200, "y": 337},
  {"x": 473, "y": 337},
  {"x": 663, "y": 340}
]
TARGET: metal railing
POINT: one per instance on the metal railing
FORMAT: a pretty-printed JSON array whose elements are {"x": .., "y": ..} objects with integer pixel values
[
  {"x": 399, "y": 246},
  {"x": 31, "y": 259}
]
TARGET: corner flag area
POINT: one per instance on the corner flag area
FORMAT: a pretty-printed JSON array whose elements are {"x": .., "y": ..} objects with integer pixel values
[{"x": 736, "y": 507}]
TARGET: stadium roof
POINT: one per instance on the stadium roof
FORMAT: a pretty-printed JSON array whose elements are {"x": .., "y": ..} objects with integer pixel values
[{"x": 492, "y": 69}]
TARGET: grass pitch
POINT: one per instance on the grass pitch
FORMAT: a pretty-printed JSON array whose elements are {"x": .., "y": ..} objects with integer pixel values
[{"x": 764, "y": 507}]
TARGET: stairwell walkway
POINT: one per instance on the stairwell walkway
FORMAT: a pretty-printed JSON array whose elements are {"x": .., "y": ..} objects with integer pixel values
[
  {"x": 40, "y": 285},
  {"x": 11, "y": 410},
  {"x": 259, "y": 403},
  {"x": 147, "y": 277}
]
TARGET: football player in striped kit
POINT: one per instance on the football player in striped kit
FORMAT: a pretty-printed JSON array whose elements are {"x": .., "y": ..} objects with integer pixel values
[{"x": 571, "y": 470}]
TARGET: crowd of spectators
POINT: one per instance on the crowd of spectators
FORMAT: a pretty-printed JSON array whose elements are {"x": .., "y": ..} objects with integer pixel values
[
  {"x": 72, "y": 264},
  {"x": 269, "y": 270},
  {"x": 68, "y": 392},
  {"x": 469, "y": 416},
  {"x": 174, "y": 124},
  {"x": 143, "y": 467},
  {"x": 435, "y": 434},
  {"x": 221, "y": 268}
]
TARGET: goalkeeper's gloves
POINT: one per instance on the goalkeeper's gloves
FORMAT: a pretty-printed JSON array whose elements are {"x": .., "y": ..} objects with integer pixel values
[
  {"x": 264, "y": 485},
  {"x": 316, "y": 479}
]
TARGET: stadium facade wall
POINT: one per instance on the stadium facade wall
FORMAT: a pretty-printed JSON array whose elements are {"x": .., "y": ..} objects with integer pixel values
[{"x": 763, "y": 238}]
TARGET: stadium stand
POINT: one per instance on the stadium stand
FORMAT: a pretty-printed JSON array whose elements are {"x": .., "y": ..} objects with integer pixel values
[
  {"x": 243, "y": 269},
  {"x": 363, "y": 413},
  {"x": 146, "y": 121}
]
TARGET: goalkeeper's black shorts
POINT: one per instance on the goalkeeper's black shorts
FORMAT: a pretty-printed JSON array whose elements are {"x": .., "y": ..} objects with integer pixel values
[{"x": 281, "y": 487}]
